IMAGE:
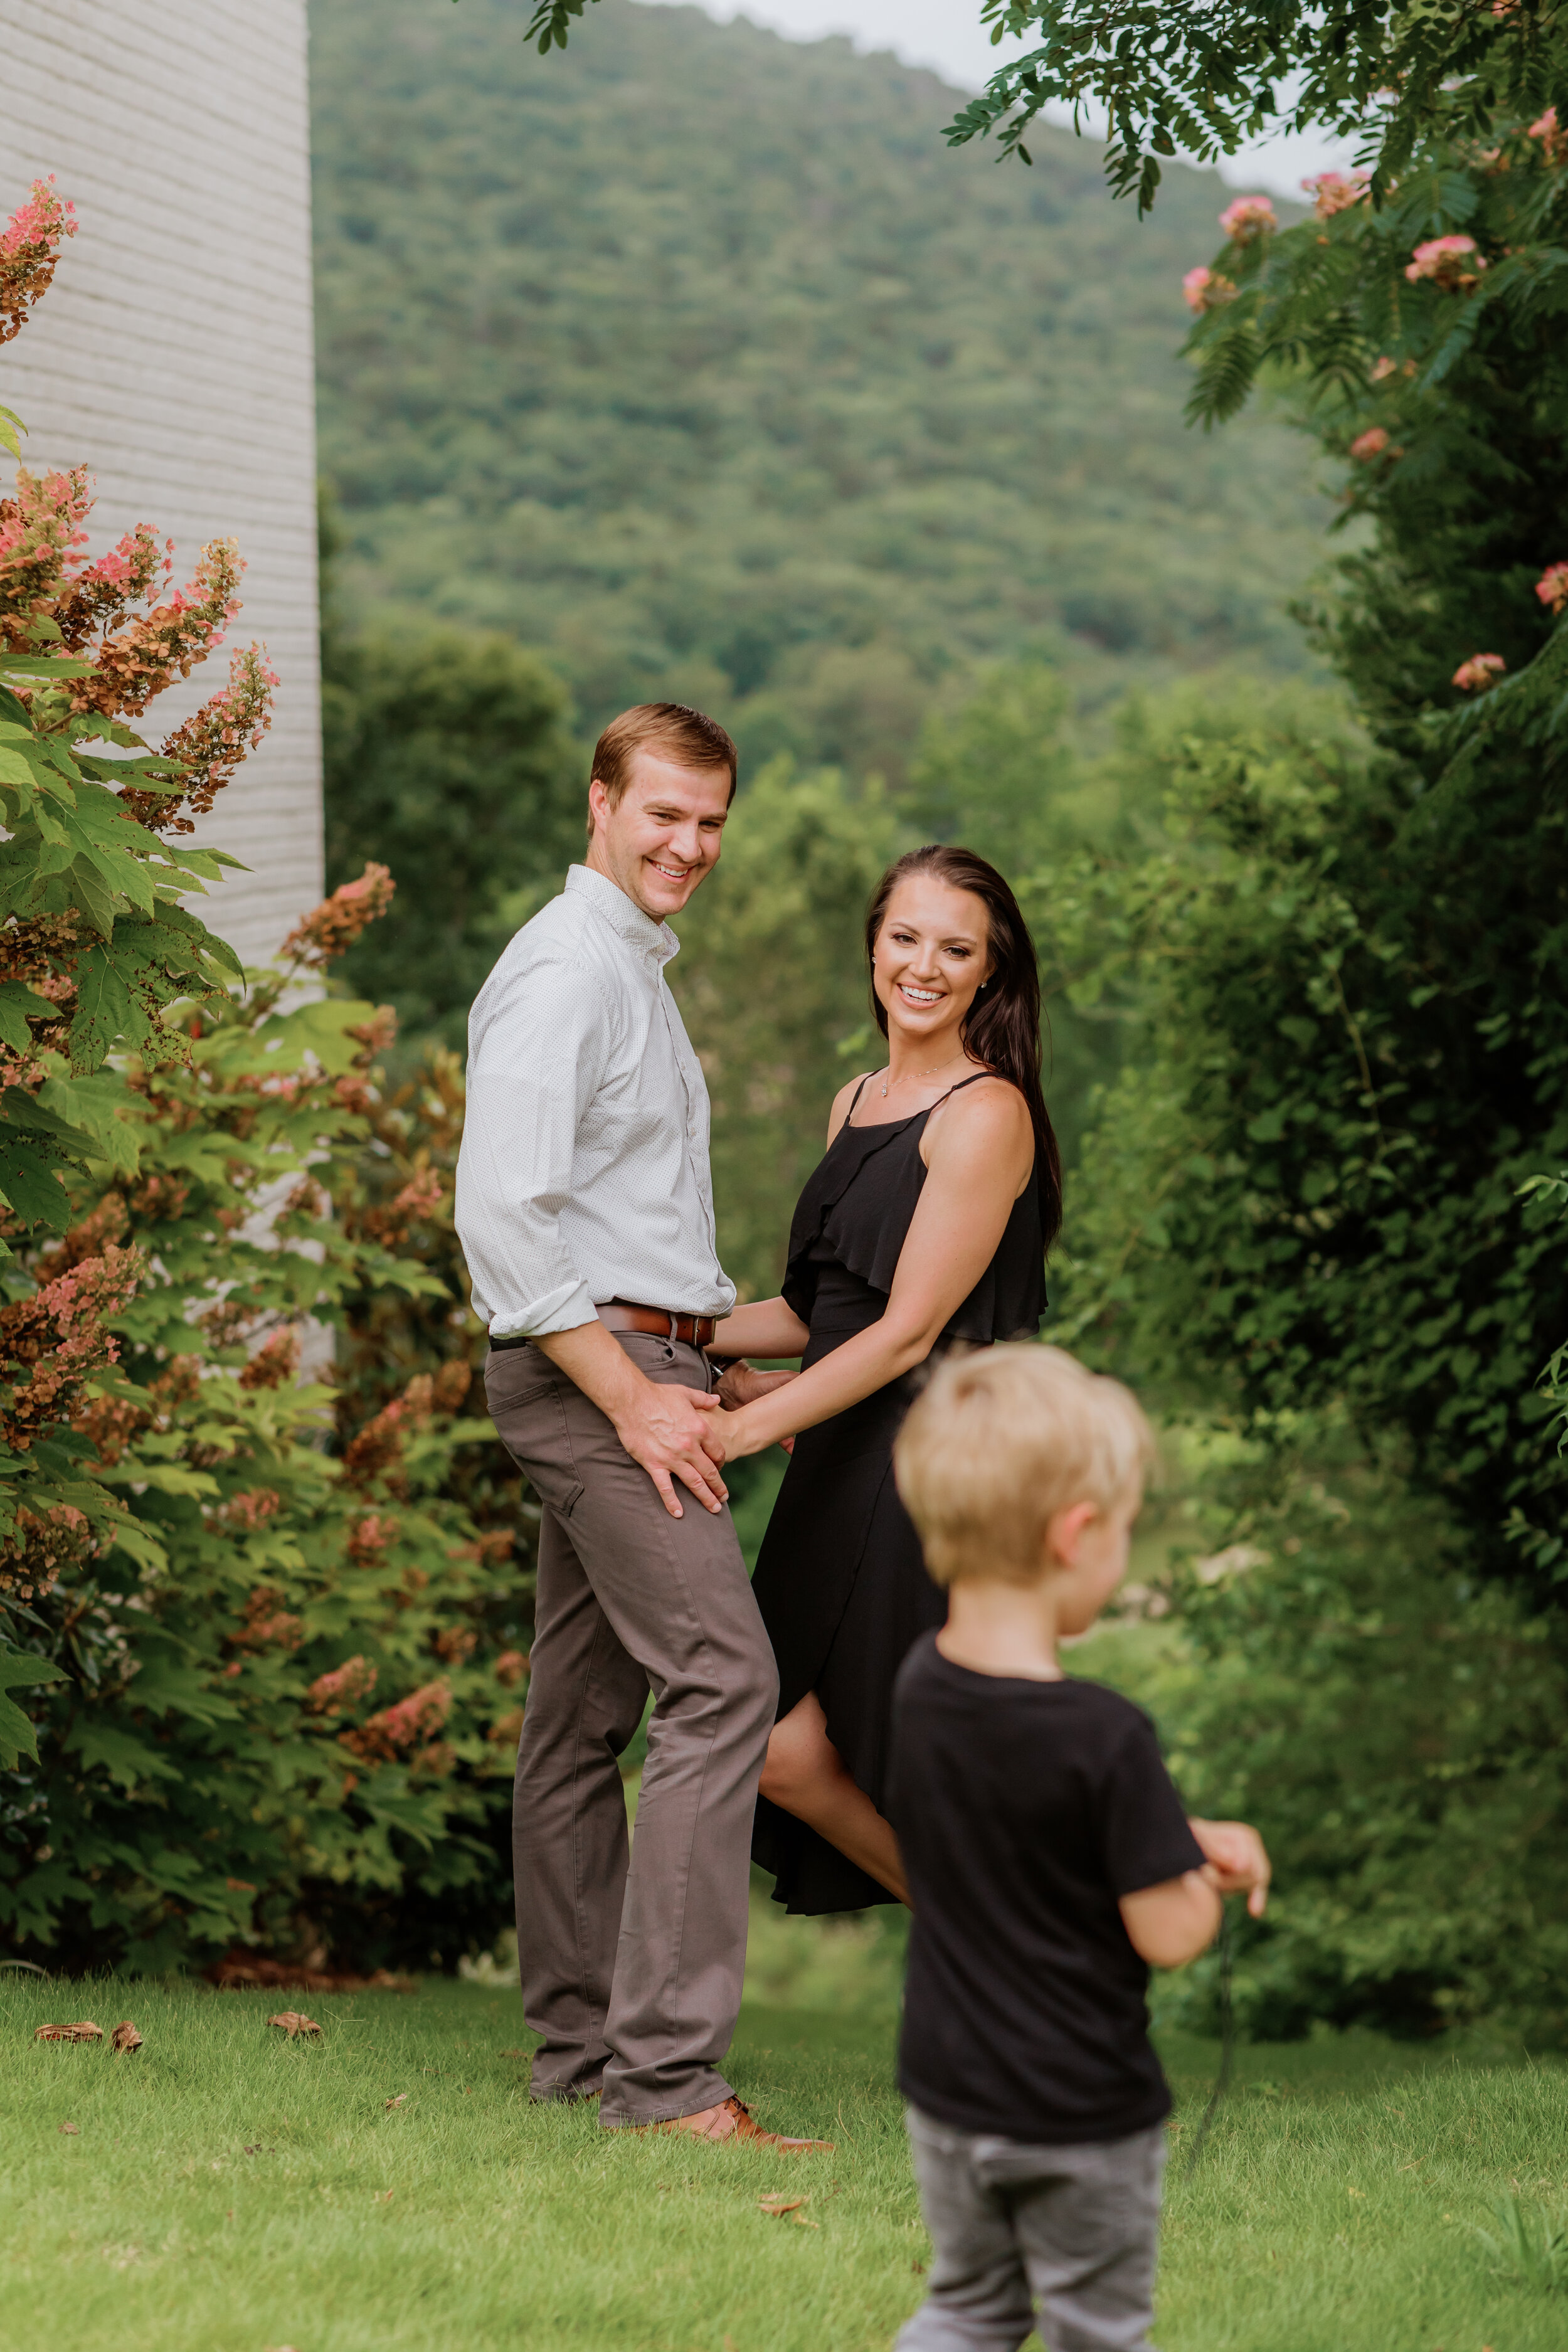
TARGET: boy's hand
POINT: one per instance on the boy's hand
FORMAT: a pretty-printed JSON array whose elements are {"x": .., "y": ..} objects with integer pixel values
[{"x": 1236, "y": 1861}]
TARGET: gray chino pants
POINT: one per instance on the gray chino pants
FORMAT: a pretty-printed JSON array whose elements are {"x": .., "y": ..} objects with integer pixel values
[
  {"x": 632, "y": 1974},
  {"x": 1076, "y": 2227}
]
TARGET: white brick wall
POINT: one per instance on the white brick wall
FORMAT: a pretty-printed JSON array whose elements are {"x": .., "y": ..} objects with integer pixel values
[{"x": 173, "y": 352}]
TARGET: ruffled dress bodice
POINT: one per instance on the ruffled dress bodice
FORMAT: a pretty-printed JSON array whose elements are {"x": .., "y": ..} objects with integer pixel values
[{"x": 850, "y": 1225}]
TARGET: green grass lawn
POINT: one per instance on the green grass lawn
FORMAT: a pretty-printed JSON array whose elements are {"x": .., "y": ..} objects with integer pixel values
[{"x": 227, "y": 2191}]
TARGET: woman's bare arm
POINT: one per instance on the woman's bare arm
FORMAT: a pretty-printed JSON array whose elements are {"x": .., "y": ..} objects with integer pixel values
[
  {"x": 764, "y": 1326},
  {"x": 978, "y": 1155}
]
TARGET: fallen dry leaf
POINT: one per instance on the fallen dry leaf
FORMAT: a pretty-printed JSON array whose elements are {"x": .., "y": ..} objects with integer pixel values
[
  {"x": 398, "y": 2101},
  {"x": 74, "y": 2129},
  {"x": 84, "y": 2030},
  {"x": 293, "y": 2021},
  {"x": 383, "y": 2198},
  {"x": 515, "y": 2054},
  {"x": 125, "y": 2037},
  {"x": 780, "y": 2207}
]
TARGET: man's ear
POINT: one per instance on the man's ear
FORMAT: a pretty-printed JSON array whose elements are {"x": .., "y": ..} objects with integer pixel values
[{"x": 598, "y": 806}]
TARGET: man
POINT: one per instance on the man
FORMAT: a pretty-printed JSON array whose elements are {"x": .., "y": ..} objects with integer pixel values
[{"x": 586, "y": 1210}]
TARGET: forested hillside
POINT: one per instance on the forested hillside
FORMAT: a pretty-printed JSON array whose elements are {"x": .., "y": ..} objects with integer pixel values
[{"x": 694, "y": 359}]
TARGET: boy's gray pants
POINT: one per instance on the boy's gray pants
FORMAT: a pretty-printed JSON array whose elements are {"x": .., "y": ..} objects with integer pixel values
[
  {"x": 632, "y": 1975},
  {"x": 1075, "y": 2228}
]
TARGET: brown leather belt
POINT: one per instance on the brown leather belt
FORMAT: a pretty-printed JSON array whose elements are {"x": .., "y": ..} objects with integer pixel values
[{"x": 692, "y": 1331}]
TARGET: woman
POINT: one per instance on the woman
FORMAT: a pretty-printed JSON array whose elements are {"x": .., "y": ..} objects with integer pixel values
[{"x": 924, "y": 1226}]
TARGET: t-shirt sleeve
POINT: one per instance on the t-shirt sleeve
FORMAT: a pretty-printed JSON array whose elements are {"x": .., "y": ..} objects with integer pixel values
[{"x": 1144, "y": 1831}]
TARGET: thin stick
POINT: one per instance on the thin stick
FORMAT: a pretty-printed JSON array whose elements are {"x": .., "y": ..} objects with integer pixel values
[{"x": 1226, "y": 2048}]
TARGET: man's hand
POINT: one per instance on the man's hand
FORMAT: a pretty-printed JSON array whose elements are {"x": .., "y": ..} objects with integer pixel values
[
  {"x": 673, "y": 1432},
  {"x": 1236, "y": 1861}
]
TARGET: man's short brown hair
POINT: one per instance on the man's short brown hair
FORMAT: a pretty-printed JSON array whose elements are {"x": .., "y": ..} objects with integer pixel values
[
  {"x": 1002, "y": 1439},
  {"x": 670, "y": 729}
]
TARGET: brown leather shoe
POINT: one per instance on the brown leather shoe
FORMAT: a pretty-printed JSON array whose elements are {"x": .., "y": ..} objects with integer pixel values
[{"x": 734, "y": 2121}]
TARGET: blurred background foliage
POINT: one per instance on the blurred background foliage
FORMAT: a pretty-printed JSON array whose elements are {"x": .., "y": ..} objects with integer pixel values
[{"x": 691, "y": 358}]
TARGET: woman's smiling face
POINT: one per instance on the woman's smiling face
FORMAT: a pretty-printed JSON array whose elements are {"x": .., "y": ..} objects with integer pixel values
[{"x": 931, "y": 956}]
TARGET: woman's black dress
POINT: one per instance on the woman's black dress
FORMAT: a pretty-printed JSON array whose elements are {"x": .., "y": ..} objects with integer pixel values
[{"x": 840, "y": 1582}]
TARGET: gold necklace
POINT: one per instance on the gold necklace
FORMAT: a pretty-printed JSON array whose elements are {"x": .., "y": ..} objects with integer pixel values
[{"x": 918, "y": 1073}]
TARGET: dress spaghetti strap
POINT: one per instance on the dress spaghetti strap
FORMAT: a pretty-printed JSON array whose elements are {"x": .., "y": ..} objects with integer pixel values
[
  {"x": 858, "y": 1092},
  {"x": 957, "y": 1089}
]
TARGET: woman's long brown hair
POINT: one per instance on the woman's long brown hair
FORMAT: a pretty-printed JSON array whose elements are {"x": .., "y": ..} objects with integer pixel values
[{"x": 1002, "y": 1028}]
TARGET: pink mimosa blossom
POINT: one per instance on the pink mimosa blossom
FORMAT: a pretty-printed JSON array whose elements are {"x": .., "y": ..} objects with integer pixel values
[
  {"x": 1554, "y": 141},
  {"x": 1205, "y": 289},
  {"x": 1336, "y": 192},
  {"x": 1552, "y": 587},
  {"x": 1451, "y": 262},
  {"x": 1368, "y": 445},
  {"x": 1247, "y": 218},
  {"x": 1480, "y": 671}
]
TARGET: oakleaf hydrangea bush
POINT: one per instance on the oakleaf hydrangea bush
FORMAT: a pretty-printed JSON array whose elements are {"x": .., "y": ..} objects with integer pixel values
[
  {"x": 260, "y": 1665},
  {"x": 301, "y": 1699}
]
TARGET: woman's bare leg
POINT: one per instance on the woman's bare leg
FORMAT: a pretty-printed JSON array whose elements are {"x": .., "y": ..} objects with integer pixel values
[{"x": 805, "y": 1776}]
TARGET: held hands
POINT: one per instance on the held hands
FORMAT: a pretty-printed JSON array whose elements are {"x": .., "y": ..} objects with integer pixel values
[
  {"x": 1236, "y": 1861},
  {"x": 675, "y": 1433},
  {"x": 742, "y": 1386}
]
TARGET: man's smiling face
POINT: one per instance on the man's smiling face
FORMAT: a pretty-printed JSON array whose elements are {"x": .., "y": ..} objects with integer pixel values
[{"x": 658, "y": 840}]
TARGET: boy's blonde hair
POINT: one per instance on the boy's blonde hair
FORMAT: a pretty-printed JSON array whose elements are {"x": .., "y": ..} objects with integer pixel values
[{"x": 1002, "y": 1439}]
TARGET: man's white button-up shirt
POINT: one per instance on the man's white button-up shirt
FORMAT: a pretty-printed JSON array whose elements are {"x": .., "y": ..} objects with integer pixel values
[{"x": 584, "y": 1173}]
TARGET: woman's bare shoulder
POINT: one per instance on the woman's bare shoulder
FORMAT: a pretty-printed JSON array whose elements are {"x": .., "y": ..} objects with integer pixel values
[
  {"x": 842, "y": 1101},
  {"x": 989, "y": 1114}
]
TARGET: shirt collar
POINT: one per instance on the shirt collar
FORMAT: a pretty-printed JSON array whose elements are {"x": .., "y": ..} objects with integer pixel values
[{"x": 622, "y": 914}]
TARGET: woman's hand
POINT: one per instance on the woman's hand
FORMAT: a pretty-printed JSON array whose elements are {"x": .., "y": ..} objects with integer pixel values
[{"x": 741, "y": 1431}]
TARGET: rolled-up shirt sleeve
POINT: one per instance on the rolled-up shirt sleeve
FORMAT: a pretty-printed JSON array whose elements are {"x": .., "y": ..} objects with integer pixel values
[{"x": 532, "y": 1071}]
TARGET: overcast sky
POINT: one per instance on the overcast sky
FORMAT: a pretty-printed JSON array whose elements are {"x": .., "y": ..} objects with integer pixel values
[{"x": 948, "y": 35}]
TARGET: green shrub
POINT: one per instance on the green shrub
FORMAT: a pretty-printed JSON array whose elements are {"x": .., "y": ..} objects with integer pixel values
[
  {"x": 1335, "y": 1671},
  {"x": 290, "y": 1703}
]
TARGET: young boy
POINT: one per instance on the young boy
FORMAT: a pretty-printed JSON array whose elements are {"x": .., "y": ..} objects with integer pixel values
[{"x": 1049, "y": 1864}]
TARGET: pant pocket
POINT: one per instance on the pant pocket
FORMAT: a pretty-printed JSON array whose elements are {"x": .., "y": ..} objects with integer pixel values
[{"x": 531, "y": 1422}]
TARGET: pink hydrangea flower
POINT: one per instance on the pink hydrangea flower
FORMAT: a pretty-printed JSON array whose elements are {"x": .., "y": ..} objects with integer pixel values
[
  {"x": 1451, "y": 262},
  {"x": 1480, "y": 670},
  {"x": 1335, "y": 192},
  {"x": 1552, "y": 587},
  {"x": 1205, "y": 289},
  {"x": 1368, "y": 445},
  {"x": 1247, "y": 218}
]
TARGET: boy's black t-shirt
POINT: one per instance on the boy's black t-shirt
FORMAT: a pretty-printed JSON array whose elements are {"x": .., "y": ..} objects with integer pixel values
[{"x": 1025, "y": 1809}]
